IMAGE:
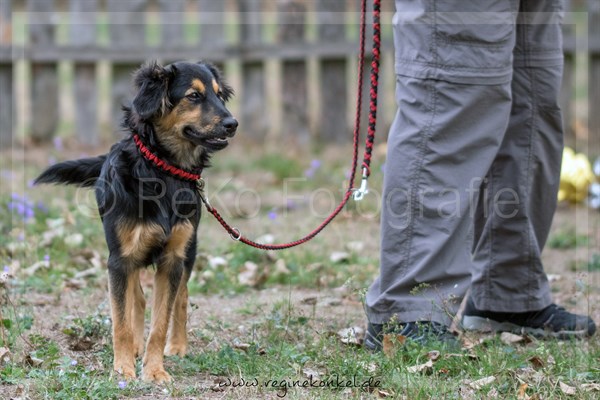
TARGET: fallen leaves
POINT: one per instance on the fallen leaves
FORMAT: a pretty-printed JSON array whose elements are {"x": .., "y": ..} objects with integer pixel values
[
  {"x": 338, "y": 257},
  {"x": 421, "y": 368},
  {"x": 480, "y": 383},
  {"x": 511, "y": 338},
  {"x": 4, "y": 355},
  {"x": 352, "y": 336},
  {"x": 566, "y": 389},
  {"x": 391, "y": 344},
  {"x": 252, "y": 275}
]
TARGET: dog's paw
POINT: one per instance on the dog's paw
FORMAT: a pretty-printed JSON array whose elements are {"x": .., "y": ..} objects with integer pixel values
[
  {"x": 127, "y": 371},
  {"x": 155, "y": 374},
  {"x": 176, "y": 349}
]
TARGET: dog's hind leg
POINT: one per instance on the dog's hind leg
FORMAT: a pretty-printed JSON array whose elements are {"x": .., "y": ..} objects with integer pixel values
[
  {"x": 121, "y": 290},
  {"x": 169, "y": 274}
]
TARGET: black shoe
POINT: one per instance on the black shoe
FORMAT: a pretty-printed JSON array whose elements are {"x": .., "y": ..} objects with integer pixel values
[
  {"x": 421, "y": 332},
  {"x": 551, "y": 322}
]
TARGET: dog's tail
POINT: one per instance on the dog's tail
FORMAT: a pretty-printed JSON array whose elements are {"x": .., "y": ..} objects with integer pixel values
[{"x": 83, "y": 172}]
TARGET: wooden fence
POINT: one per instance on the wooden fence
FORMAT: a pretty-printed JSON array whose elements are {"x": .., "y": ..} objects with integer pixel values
[{"x": 312, "y": 44}]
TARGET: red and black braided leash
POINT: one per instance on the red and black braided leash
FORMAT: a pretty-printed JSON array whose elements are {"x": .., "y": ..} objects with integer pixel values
[{"x": 366, "y": 171}]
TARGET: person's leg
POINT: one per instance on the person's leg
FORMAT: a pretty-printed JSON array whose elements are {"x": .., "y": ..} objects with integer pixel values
[
  {"x": 514, "y": 216},
  {"x": 453, "y": 94},
  {"x": 441, "y": 144}
]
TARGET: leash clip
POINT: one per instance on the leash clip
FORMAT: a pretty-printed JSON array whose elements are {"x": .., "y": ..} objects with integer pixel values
[
  {"x": 200, "y": 185},
  {"x": 360, "y": 193}
]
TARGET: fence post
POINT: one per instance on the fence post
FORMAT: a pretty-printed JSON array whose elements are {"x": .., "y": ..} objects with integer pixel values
[
  {"x": 253, "y": 98},
  {"x": 171, "y": 19},
  {"x": 212, "y": 24},
  {"x": 44, "y": 77},
  {"x": 594, "y": 77},
  {"x": 294, "y": 92},
  {"x": 6, "y": 80},
  {"x": 127, "y": 31},
  {"x": 82, "y": 34},
  {"x": 333, "y": 90}
]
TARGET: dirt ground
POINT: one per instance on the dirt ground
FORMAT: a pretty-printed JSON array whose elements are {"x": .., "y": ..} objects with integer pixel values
[{"x": 330, "y": 309}]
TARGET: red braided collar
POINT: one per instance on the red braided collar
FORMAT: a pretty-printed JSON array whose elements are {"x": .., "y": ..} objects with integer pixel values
[{"x": 173, "y": 170}]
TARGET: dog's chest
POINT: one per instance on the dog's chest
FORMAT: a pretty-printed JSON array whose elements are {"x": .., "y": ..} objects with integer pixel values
[{"x": 168, "y": 200}]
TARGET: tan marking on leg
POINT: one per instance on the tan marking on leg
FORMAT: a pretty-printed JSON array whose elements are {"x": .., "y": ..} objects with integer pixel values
[
  {"x": 177, "y": 338},
  {"x": 198, "y": 85},
  {"x": 215, "y": 86},
  {"x": 178, "y": 240},
  {"x": 163, "y": 302},
  {"x": 124, "y": 360},
  {"x": 139, "y": 308},
  {"x": 136, "y": 239},
  {"x": 162, "y": 305}
]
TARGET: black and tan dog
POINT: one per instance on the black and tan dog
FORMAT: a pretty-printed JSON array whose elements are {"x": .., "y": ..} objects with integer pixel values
[{"x": 148, "y": 199}]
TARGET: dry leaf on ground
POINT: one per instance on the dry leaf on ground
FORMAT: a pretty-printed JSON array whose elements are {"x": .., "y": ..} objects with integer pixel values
[
  {"x": 353, "y": 335},
  {"x": 391, "y": 343},
  {"x": 480, "y": 383},
  {"x": 4, "y": 354},
  {"x": 522, "y": 392},
  {"x": 566, "y": 389},
  {"x": 537, "y": 362},
  {"x": 427, "y": 367},
  {"x": 511, "y": 338},
  {"x": 311, "y": 373}
]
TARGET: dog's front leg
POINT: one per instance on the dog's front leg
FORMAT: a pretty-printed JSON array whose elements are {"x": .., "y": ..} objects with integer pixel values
[
  {"x": 177, "y": 339},
  {"x": 166, "y": 284},
  {"x": 122, "y": 283}
]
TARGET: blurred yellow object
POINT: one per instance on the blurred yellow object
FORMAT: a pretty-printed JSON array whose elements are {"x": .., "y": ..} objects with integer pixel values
[{"x": 575, "y": 177}]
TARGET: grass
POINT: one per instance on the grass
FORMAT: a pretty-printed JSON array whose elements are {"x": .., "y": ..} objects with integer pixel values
[
  {"x": 567, "y": 239},
  {"x": 264, "y": 339}
]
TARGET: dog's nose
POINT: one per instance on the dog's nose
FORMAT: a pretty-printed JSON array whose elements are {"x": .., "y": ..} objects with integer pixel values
[{"x": 230, "y": 124}]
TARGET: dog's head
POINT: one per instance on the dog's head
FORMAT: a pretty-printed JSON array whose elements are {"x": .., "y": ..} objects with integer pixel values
[{"x": 185, "y": 103}]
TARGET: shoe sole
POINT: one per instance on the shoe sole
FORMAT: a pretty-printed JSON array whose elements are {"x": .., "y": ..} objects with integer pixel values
[{"x": 472, "y": 323}]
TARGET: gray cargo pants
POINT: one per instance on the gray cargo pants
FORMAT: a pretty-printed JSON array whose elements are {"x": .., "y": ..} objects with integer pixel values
[{"x": 473, "y": 162}]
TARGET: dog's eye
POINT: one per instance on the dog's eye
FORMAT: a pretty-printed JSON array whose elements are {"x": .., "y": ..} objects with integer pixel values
[{"x": 194, "y": 96}]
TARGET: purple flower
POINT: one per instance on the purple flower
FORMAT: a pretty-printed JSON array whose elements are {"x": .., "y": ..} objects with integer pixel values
[
  {"x": 291, "y": 204},
  {"x": 21, "y": 236},
  {"x": 28, "y": 214},
  {"x": 314, "y": 166},
  {"x": 22, "y": 206},
  {"x": 46, "y": 257},
  {"x": 73, "y": 363},
  {"x": 58, "y": 144},
  {"x": 6, "y": 269},
  {"x": 42, "y": 207},
  {"x": 122, "y": 384},
  {"x": 272, "y": 215}
]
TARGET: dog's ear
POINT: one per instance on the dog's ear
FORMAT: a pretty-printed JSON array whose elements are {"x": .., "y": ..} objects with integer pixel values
[
  {"x": 226, "y": 90},
  {"x": 152, "y": 84}
]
